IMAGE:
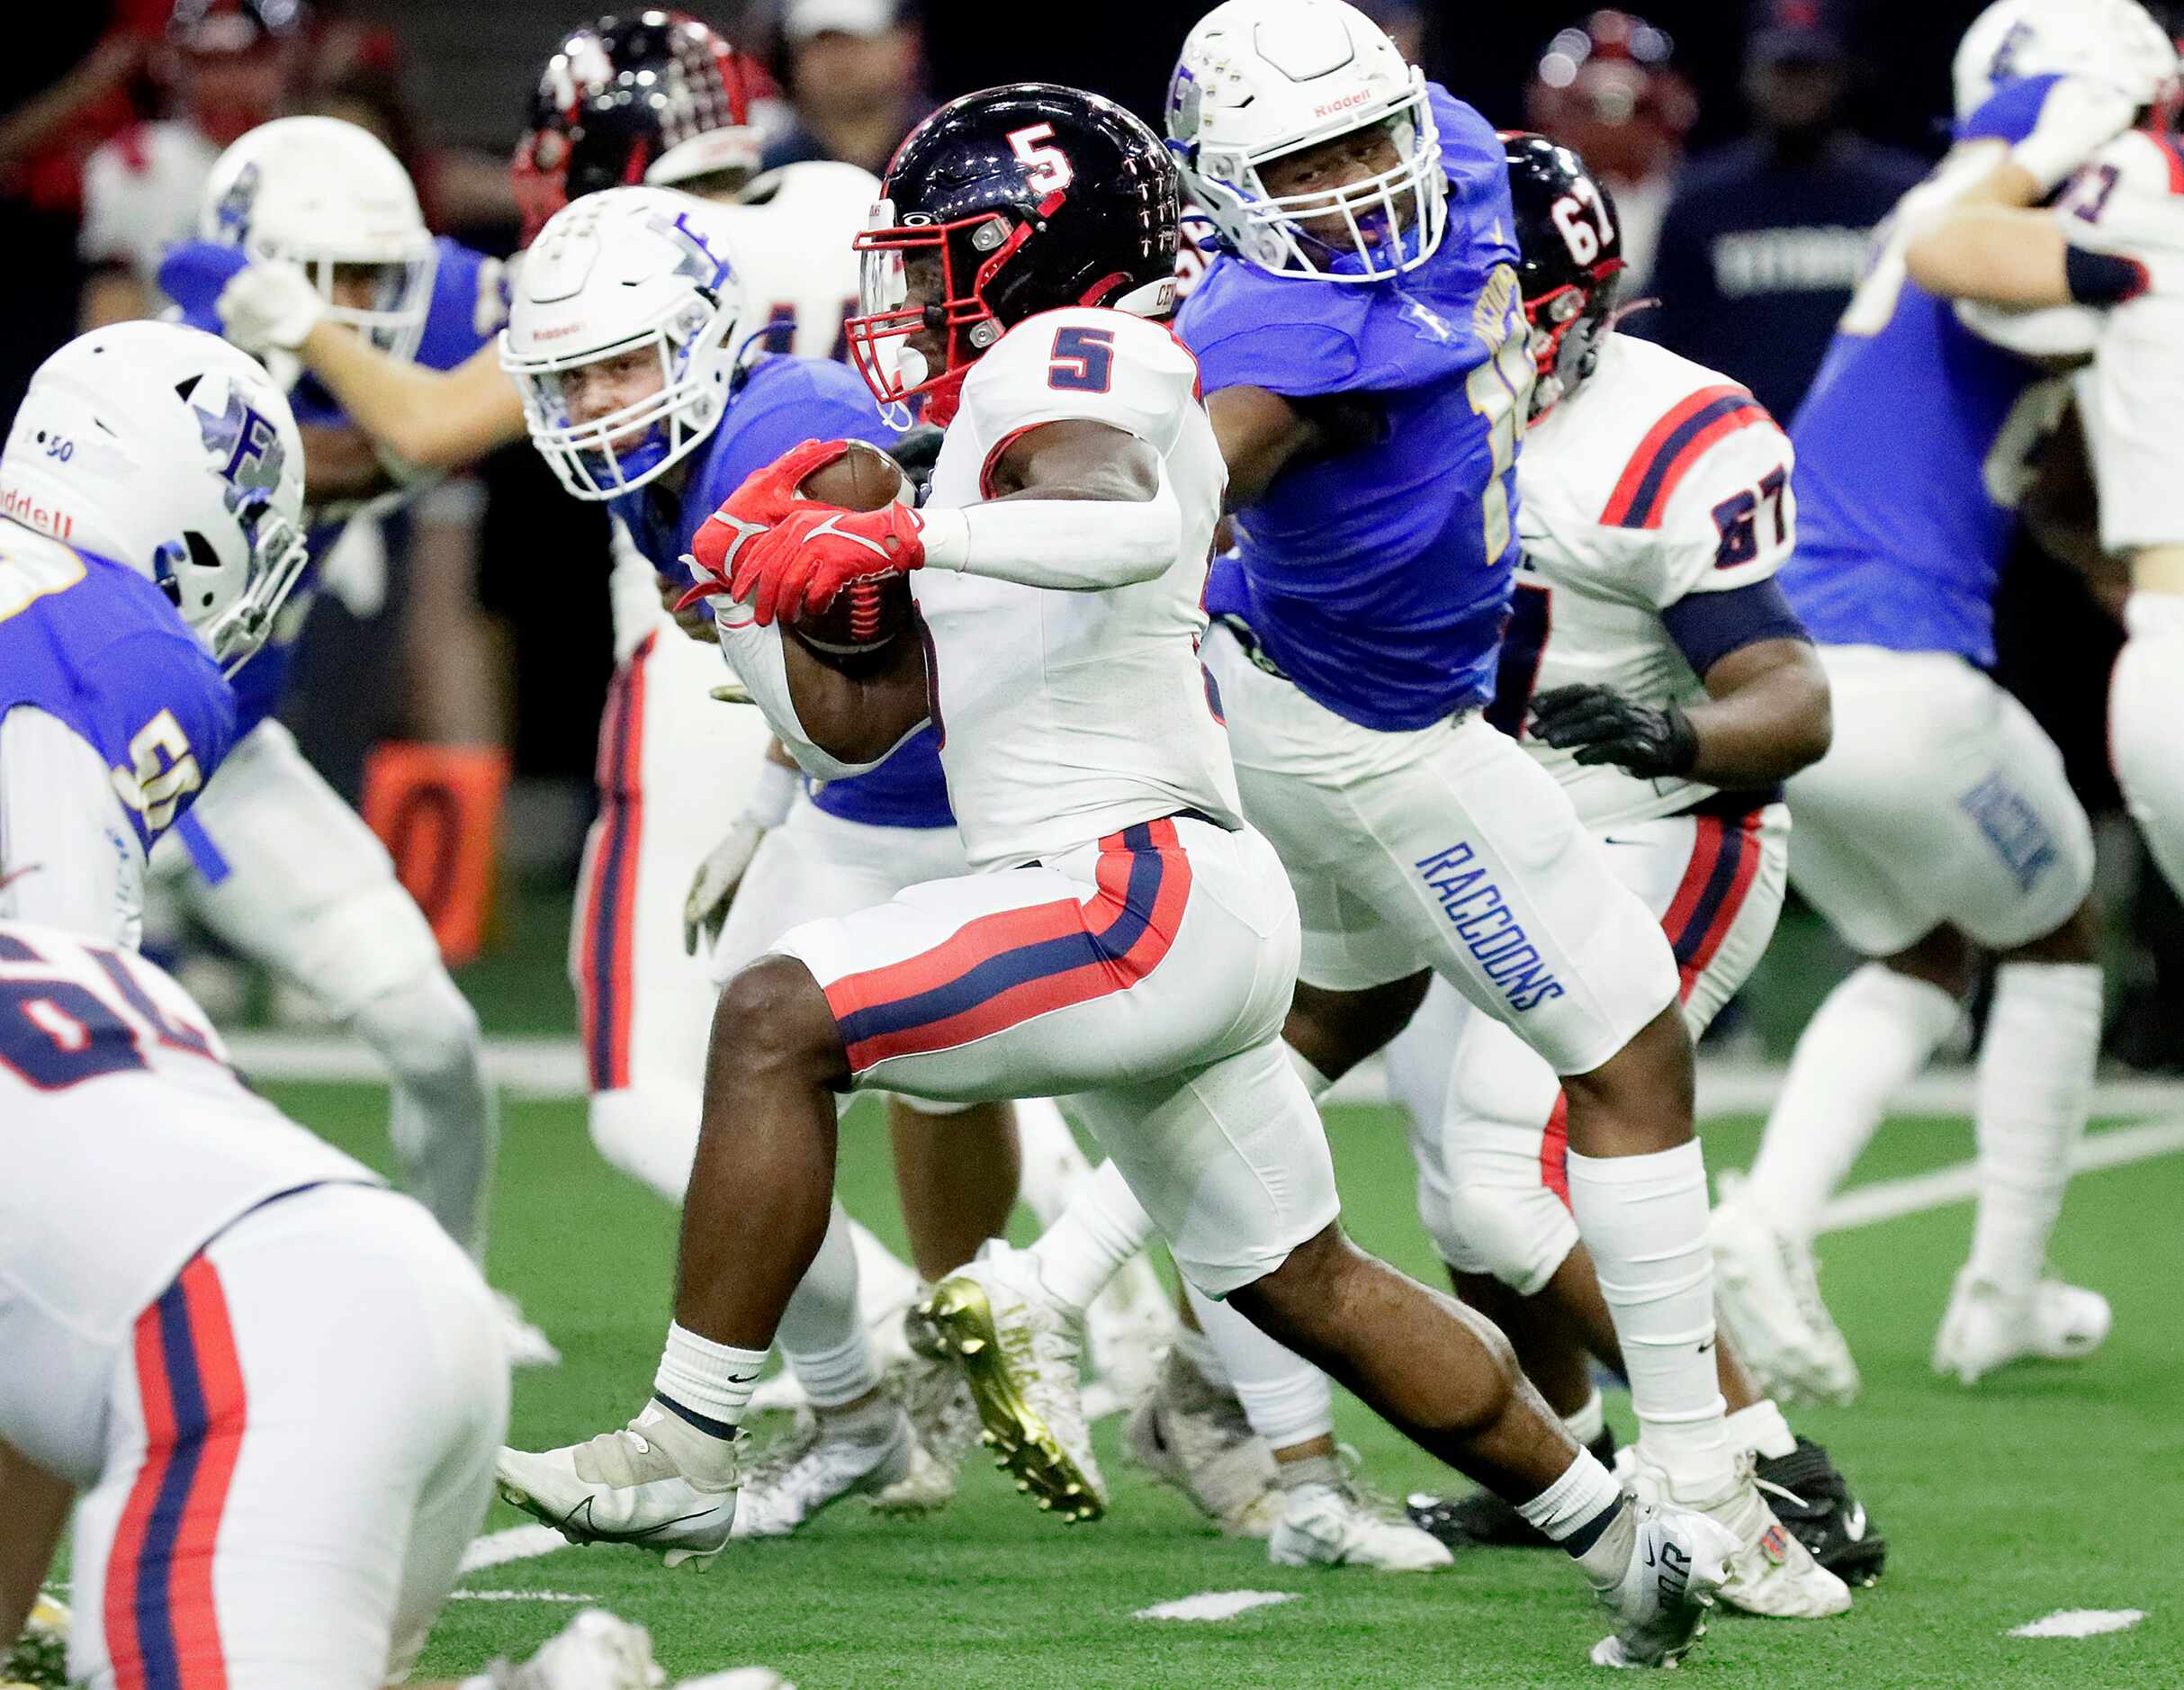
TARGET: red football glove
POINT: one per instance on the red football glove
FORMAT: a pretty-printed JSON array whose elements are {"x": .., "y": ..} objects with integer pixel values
[
  {"x": 764, "y": 498},
  {"x": 801, "y": 562}
]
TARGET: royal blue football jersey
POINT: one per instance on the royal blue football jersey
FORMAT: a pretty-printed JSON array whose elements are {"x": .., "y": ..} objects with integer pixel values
[
  {"x": 108, "y": 656},
  {"x": 780, "y": 403},
  {"x": 1901, "y": 535},
  {"x": 1378, "y": 576},
  {"x": 468, "y": 305}
]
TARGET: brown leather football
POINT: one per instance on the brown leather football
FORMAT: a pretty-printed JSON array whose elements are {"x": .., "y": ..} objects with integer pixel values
[{"x": 864, "y": 615}]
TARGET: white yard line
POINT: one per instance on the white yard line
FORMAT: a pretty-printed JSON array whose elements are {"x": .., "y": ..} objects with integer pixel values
[
  {"x": 1890, "y": 1200},
  {"x": 2082, "y": 1622},
  {"x": 517, "y": 1543},
  {"x": 515, "y": 1595},
  {"x": 1214, "y": 1604}
]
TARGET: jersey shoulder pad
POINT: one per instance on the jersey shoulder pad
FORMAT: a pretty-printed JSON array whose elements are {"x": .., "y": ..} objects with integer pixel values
[
  {"x": 1103, "y": 365},
  {"x": 469, "y": 305},
  {"x": 781, "y": 402},
  {"x": 1663, "y": 413},
  {"x": 2010, "y": 113},
  {"x": 2130, "y": 198},
  {"x": 1287, "y": 334}
]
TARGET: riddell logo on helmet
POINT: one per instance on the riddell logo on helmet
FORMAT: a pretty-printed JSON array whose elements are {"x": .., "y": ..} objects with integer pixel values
[
  {"x": 1343, "y": 104},
  {"x": 28, "y": 511},
  {"x": 555, "y": 334}
]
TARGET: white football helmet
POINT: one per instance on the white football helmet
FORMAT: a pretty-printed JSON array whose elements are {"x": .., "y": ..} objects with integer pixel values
[
  {"x": 164, "y": 449},
  {"x": 1259, "y": 79},
  {"x": 614, "y": 273},
  {"x": 2112, "y": 42},
  {"x": 328, "y": 198}
]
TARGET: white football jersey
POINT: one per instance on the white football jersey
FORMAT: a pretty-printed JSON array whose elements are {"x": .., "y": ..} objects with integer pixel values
[
  {"x": 140, "y": 194},
  {"x": 793, "y": 251},
  {"x": 131, "y": 1142},
  {"x": 1065, "y": 717},
  {"x": 1657, "y": 479}
]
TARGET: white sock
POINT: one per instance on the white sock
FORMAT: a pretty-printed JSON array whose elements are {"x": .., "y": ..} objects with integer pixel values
[
  {"x": 1874, "y": 1033},
  {"x": 1287, "y": 1399},
  {"x": 1103, "y": 1227},
  {"x": 1590, "y": 1422},
  {"x": 2145, "y": 705},
  {"x": 1053, "y": 1165},
  {"x": 1644, "y": 1220},
  {"x": 2035, "y": 1082},
  {"x": 821, "y": 1333},
  {"x": 708, "y": 1384},
  {"x": 1576, "y": 1512},
  {"x": 1761, "y": 1429},
  {"x": 1315, "y": 1082}
]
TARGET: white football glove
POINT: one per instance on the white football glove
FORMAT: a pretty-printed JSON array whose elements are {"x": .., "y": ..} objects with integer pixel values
[
  {"x": 269, "y": 307},
  {"x": 714, "y": 885},
  {"x": 594, "y": 1651},
  {"x": 2079, "y": 117}
]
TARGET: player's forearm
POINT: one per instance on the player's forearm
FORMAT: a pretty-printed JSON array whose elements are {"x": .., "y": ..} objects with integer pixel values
[
  {"x": 35, "y": 1505},
  {"x": 2158, "y": 569},
  {"x": 433, "y": 418},
  {"x": 831, "y": 724},
  {"x": 1059, "y": 537},
  {"x": 1993, "y": 254},
  {"x": 112, "y": 295},
  {"x": 1766, "y": 715}
]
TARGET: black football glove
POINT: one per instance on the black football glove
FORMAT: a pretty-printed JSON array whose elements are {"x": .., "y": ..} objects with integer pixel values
[{"x": 1603, "y": 726}]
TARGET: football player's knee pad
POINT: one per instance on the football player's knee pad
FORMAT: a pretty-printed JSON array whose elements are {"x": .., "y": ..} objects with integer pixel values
[
  {"x": 1489, "y": 1209},
  {"x": 423, "y": 1027},
  {"x": 653, "y": 1143},
  {"x": 372, "y": 944}
]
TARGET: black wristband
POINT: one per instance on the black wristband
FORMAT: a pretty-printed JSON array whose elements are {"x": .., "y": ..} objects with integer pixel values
[{"x": 2103, "y": 278}]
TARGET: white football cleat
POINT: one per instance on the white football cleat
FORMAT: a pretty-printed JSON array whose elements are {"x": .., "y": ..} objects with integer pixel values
[
  {"x": 1678, "y": 1563},
  {"x": 1766, "y": 1293},
  {"x": 594, "y": 1651},
  {"x": 784, "y": 1486},
  {"x": 633, "y": 1486},
  {"x": 1192, "y": 1434},
  {"x": 1988, "y": 1326},
  {"x": 527, "y": 1346},
  {"x": 1770, "y": 1572},
  {"x": 944, "y": 1422},
  {"x": 1338, "y": 1526},
  {"x": 1017, "y": 1348}
]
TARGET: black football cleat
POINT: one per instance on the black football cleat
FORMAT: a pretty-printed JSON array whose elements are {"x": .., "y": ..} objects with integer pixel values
[
  {"x": 1482, "y": 1520},
  {"x": 1813, "y": 1501}
]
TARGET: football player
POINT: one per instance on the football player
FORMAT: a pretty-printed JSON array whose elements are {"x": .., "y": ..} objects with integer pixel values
[
  {"x": 275, "y": 863},
  {"x": 1364, "y": 349},
  {"x": 1927, "y": 849},
  {"x": 173, "y": 1380},
  {"x": 1654, "y": 668},
  {"x": 1124, "y": 936},
  {"x": 152, "y": 491},
  {"x": 685, "y": 794},
  {"x": 2114, "y": 241}
]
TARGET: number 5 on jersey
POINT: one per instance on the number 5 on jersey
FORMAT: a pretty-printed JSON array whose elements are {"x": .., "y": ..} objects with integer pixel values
[{"x": 163, "y": 774}]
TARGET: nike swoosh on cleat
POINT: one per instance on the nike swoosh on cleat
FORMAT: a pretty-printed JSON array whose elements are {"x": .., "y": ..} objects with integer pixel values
[{"x": 598, "y": 1535}]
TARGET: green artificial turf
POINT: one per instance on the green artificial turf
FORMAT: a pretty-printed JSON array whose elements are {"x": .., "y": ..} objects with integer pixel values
[{"x": 2050, "y": 1487}]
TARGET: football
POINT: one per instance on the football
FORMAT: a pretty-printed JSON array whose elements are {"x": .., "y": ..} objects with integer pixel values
[{"x": 866, "y": 614}]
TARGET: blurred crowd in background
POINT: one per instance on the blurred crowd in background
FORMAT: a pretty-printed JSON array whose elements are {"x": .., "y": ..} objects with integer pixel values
[{"x": 1751, "y": 148}]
